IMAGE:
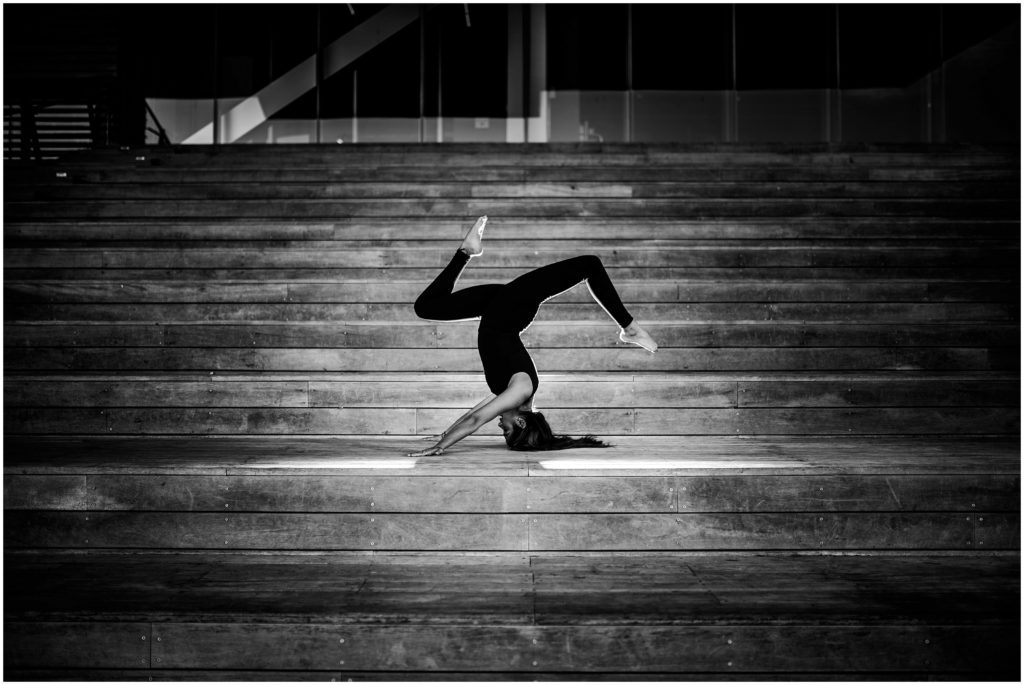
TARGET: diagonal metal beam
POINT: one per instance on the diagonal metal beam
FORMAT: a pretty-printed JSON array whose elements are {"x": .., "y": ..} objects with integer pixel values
[{"x": 256, "y": 109}]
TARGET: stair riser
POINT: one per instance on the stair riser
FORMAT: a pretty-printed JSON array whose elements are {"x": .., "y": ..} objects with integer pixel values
[
  {"x": 212, "y": 190},
  {"x": 535, "y": 495},
  {"x": 511, "y": 230},
  {"x": 628, "y": 392},
  {"x": 534, "y": 207},
  {"x": 397, "y": 650},
  {"x": 503, "y": 173},
  {"x": 547, "y": 360},
  {"x": 100, "y": 292},
  {"x": 650, "y": 314},
  {"x": 433, "y": 260},
  {"x": 548, "y": 334},
  {"x": 512, "y": 532},
  {"x": 431, "y": 422}
]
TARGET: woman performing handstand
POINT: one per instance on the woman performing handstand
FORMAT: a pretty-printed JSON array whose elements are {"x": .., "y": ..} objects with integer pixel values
[{"x": 505, "y": 311}]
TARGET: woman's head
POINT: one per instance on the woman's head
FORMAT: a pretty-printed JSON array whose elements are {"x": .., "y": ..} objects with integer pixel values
[{"x": 529, "y": 431}]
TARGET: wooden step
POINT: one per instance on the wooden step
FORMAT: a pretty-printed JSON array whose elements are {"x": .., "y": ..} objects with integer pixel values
[
  {"x": 501, "y": 172},
  {"x": 707, "y": 256},
  {"x": 363, "y": 495},
  {"x": 502, "y": 274},
  {"x": 591, "y": 230},
  {"x": 551, "y": 334},
  {"x": 397, "y": 291},
  {"x": 571, "y": 359},
  {"x": 581, "y": 188},
  {"x": 460, "y": 391},
  {"x": 836, "y": 312},
  {"x": 757, "y": 421},
  {"x": 512, "y": 616},
  {"x": 526, "y": 207}
]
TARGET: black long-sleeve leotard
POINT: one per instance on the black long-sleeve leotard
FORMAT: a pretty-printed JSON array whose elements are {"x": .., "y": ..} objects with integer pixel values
[{"x": 505, "y": 311}]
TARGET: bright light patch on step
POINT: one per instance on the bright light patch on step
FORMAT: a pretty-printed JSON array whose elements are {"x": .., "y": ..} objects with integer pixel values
[
  {"x": 399, "y": 463},
  {"x": 633, "y": 464},
  {"x": 376, "y": 464}
]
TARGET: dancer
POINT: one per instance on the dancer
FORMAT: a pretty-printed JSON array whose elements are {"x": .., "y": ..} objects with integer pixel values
[{"x": 505, "y": 311}]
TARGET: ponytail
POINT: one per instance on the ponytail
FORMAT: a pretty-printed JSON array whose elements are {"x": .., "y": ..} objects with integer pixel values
[{"x": 537, "y": 436}]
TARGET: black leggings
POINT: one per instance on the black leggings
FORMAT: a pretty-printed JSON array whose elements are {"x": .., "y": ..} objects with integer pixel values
[{"x": 515, "y": 304}]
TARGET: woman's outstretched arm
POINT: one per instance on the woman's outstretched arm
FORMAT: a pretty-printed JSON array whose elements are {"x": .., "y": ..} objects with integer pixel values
[
  {"x": 462, "y": 418},
  {"x": 517, "y": 392}
]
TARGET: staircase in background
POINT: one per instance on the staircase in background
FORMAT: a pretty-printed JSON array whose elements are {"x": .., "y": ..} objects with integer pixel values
[{"x": 212, "y": 369}]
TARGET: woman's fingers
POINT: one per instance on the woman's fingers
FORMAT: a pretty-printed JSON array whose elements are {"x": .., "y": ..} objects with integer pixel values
[{"x": 429, "y": 452}]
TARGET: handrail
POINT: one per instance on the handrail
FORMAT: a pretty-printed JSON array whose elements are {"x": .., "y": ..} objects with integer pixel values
[{"x": 160, "y": 132}]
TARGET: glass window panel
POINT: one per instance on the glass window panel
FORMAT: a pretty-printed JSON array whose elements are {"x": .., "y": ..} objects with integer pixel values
[
  {"x": 887, "y": 45},
  {"x": 586, "y": 47},
  {"x": 682, "y": 47},
  {"x": 683, "y": 116},
  {"x": 785, "y": 46}
]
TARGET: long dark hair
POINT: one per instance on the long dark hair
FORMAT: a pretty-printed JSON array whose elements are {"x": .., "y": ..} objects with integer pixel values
[{"x": 537, "y": 436}]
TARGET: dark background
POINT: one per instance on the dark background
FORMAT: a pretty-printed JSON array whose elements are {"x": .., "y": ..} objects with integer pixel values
[{"x": 121, "y": 54}]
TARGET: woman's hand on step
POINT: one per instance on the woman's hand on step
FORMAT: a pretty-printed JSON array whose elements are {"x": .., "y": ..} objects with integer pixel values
[{"x": 428, "y": 452}]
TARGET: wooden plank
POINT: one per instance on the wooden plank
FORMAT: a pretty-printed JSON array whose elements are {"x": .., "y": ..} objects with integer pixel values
[
  {"x": 761, "y": 493},
  {"x": 548, "y": 360},
  {"x": 502, "y": 274},
  {"x": 600, "y": 495},
  {"x": 525, "y": 188},
  {"x": 820, "y": 531},
  {"x": 265, "y": 531},
  {"x": 355, "y": 172},
  {"x": 898, "y": 420},
  {"x": 748, "y": 255},
  {"x": 173, "y": 393},
  {"x": 44, "y": 492},
  {"x": 424, "y": 334},
  {"x": 547, "y": 532},
  {"x": 652, "y": 291},
  {"x": 56, "y": 421},
  {"x": 730, "y": 207},
  {"x": 968, "y": 493},
  {"x": 617, "y": 421},
  {"x": 211, "y": 420},
  {"x": 453, "y": 532},
  {"x": 997, "y": 531},
  {"x": 591, "y": 649},
  {"x": 77, "y": 645},
  {"x": 304, "y": 493},
  {"x": 893, "y": 393},
  {"x": 590, "y": 229},
  {"x": 836, "y": 312},
  {"x": 487, "y": 456}
]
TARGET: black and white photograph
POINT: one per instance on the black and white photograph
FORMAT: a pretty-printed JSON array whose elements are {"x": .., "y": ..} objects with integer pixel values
[{"x": 482, "y": 342}]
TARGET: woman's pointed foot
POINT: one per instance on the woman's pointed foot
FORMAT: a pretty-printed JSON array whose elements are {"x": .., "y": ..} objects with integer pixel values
[
  {"x": 472, "y": 245},
  {"x": 635, "y": 335}
]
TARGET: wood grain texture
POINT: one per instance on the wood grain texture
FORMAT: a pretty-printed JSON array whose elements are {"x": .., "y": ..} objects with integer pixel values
[
  {"x": 296, "y": 531},
  {"x": 306, "y": 493},
  {"x": 670, "y": 390},
  {"x": 575, "y": 421},
  {"x": 548, "y": 360},
  {"x": 45, "y": 492},
  {"x": 77, "y": 645},
  {"x": 634, "y": 292},
  {"x": 847, "y": 493},
  {"x": 748, "y": 255},
  {"x": 397, "y": 648},
  {"x": 402, "y": 334},
  {"x": 488, "y": 456},
  {"x": 559, "y": 532},
  {"x": 468, "y": 494}
]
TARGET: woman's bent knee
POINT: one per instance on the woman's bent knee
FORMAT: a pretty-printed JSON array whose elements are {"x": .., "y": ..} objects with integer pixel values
[{"x": 422, "y": 308}]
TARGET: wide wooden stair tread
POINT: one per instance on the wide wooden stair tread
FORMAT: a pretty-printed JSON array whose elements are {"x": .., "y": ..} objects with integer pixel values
[{"x": 214, "y": 375}]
